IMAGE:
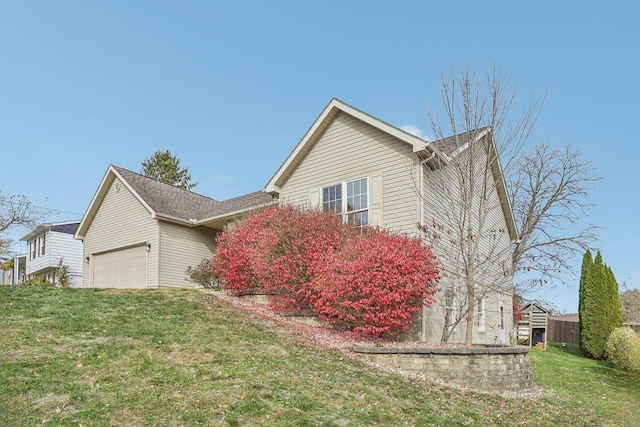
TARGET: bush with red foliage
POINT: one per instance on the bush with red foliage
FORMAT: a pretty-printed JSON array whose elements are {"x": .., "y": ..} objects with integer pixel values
[
  {"x": 517, "y": 303},
  {"x": 234, "y": 261},
  {"x": 292, "y": 254},
  {"x": 370, "y": 282},
  {"x": 377, "y": 283}
]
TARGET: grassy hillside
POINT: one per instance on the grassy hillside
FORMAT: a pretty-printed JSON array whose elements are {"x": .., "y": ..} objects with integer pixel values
[{"x": 171, "y": 358}]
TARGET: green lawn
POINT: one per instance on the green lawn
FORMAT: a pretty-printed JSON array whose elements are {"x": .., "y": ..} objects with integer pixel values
[{"x": 171, "y": 358}]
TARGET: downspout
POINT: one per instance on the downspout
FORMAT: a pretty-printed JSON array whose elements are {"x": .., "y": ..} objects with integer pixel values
[{"x": 423, "y": 329}]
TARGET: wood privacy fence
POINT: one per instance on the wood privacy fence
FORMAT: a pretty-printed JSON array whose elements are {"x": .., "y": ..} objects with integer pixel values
[
  {"x": 563, "y": 331},
  {"x": 569, "y": 330}
]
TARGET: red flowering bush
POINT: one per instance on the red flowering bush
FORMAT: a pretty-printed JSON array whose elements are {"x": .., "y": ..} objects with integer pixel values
[
  {"x": 234, "y": 261},
  {"x": 370, "y": 282},
  {"x": 292, "y": 254},
  {"x": 376, "y": 284}
]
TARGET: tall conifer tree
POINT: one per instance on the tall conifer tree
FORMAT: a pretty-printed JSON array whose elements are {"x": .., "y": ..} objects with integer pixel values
[
  {"x": 600, "y": 309},
  {"x": 587, "y": 262},
  {"x": 616, "y": 320}
]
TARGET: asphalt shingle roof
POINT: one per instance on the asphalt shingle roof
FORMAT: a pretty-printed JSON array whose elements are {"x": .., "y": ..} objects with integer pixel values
[
  {"x": 176, "y": 202},
  {"x": 451, "y": 143}
]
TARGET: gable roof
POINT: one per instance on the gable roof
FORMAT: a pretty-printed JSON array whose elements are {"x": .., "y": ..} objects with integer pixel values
[
  {"x": 164, "y": 201},
  {"x": 319, "y": 126},
  {"x": 68, "y": 227},
  {"x": 435, "y": 154},
  {"x": 533, "y": 305}
]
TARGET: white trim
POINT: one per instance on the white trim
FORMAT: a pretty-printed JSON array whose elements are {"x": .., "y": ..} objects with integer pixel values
[{"x": 334, "y": 107}]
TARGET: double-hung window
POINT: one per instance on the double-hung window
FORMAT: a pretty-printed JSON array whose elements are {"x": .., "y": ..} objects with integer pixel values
[{"x": 350, "y": 199}]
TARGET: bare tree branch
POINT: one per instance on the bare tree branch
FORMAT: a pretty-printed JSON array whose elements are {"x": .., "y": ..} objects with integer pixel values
[
  {"x": 16, "y": 210},
  {"x": 550, "y": 191}
]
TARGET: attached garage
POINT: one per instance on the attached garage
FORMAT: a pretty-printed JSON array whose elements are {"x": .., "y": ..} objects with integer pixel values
[
  {"x": 142, "y": 233},
  {"x": 124, "y": 268}
]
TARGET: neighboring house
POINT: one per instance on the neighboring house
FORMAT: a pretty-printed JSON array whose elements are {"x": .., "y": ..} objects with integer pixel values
[
  {"x": 6, "y": 273},
  {"x": 141, "y": 233},
  {"x": 47, "y": 244},
  {"x": 19, "y": 274},
  {"x": 380, "y": 175},
  {"x": 13, "y": 271}
]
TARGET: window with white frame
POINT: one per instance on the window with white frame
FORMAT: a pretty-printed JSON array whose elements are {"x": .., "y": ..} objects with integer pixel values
[{"x": 355, "y": 193}]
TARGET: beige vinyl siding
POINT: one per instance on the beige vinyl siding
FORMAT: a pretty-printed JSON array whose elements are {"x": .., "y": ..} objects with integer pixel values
[
  {"x": 351, "y": 149},
  {"x": 495, "y": 246},
  {"x": 181, "y": 247},
  {"x": 112, "y": 229}
]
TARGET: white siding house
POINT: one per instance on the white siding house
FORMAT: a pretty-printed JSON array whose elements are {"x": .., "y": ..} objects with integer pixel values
[{"x": 47, "y": 244}]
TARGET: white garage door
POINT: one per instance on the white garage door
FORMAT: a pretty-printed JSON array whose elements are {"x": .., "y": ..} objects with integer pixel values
[{"x": 125, "y": 268}]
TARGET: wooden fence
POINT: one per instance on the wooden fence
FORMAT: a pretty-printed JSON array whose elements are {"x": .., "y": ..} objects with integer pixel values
[
  {"x": 569, "y": 331},
  {"x": 563, "y": 331}
]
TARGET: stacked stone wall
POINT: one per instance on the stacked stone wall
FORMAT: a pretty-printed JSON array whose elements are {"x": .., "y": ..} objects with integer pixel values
[{"x": 491, "y": 369}]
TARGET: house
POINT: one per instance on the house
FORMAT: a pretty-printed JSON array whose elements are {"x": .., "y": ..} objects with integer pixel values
[
  {"x": 377, "y": 174},
  {"x": 141, "y": 233},
  {"x": 14, "y": 270},
  {"x": 47, "y": 246}
]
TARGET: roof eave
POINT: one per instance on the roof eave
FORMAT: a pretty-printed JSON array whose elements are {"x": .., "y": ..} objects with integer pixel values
[
  {"x": 222, "y": 219},
  {"x": 99, "y": 196},
  {"x": 334, "y": 107}
]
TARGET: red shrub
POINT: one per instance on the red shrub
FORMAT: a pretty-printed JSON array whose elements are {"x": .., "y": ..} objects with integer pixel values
[
  {"x": 377, "y": 283},
  {"x": 234, "y": 260},
  {"x": 370, "y": 282},
  {"x": 292, "y": 256}
]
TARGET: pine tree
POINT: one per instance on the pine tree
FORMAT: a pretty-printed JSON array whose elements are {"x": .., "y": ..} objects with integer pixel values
[{"x": 165, "y": 167}]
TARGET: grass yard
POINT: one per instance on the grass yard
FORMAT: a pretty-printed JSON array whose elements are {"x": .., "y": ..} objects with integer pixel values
[{"x": 172, "y": 358}]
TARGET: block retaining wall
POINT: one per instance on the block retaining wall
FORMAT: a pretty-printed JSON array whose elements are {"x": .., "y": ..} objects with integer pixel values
[{"x": 489, "y": 369}]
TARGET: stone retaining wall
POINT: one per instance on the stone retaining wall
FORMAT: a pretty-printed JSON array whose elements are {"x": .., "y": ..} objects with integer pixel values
[{"x": 490, "y": 369}]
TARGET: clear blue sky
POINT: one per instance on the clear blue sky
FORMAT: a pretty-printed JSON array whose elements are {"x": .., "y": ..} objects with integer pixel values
[{"x": 231, "y": 87}]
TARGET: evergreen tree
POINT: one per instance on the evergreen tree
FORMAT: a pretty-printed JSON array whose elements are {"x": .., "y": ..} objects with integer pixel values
[
  {"x": 600, "y": 309},
  {"x": 615, "y": 317},
  {"x": 587, "y": 263},
  {"x": 594, "y": 318},
  {"x": 165, "y": 167}
]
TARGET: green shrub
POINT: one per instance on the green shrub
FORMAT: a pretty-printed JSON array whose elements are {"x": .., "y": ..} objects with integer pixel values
[
  {"x": 38, "y": 281},
  {"x": 62, "y": 274},
  {"x": 204, "y": 274},
  {"x": 623, "y": 349}
]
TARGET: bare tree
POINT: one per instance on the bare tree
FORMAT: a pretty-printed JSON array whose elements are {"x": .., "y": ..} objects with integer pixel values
[
  {"x": 17, "y": 210},
  {"x": 550, "y": 190},
  {"x": 630, "y": 300},
  {"x": 488, "y": 154},
  {"x": 467, "y": 189}
]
